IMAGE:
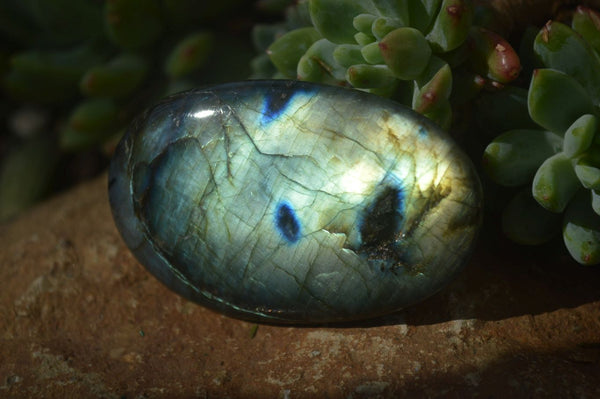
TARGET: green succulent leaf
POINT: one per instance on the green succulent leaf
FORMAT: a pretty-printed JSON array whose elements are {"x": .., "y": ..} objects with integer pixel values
[
  {"x": 555, "y": 183},
  {"x": 435, "y": 88},
  {"x": 588, "y": 172},
  {"x": 90, "y": 123},
  {"x": 285, "y": 52},
  {"x": 384, "y": 25},
  {"x": 369, "y": 76},
  {"x": 436, "y": 68},
  {"x": 263, "y": 35},
  {"x": 422, "y": 13},
  {"x": 188, "y": 55},
  {"x": 525, "y": 222},
  {"x": 363, "y": 22},
  {"x": 556, "y": 100},
  {"x": 133, "y": 24},
  {"x": 94, "y": 115},
  {"x": 318, "y": 64},
  {"x": 372, "y": 54},
  {"x": 406, "y": 52},
  {"x": 580, "y": 135},
  {"x": 393, "y": 9},
  {"x": 492, "y": 56},
  {"x": 297, "y": 16},
  {"x": 50, "y": 76},
  {"x": 581, "y": 230},
  {"x": 117, "y": 78},
  {"x": 397, "y": 90},
  {"x": 596, "y": 201},
  {"x": 586, "y": 22},
  {"x": 347, "y": 55},
  {"x": 71, "y": 140},
  {"x": 364, "y": 39},
  {"x": 263, "y": 68},
  {"x": 563, "y": 49},
  {"x": 334, "y": 18},
  {"x": 513, "y": 158},
  {"x": 451, "y": 25}
]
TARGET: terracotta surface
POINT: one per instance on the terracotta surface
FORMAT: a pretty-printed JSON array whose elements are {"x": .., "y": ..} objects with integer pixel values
[{"x": 79, "y": 317}]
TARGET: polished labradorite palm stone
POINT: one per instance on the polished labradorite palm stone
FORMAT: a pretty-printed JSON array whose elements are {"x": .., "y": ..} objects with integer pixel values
[{"x": 284, "y": 201}]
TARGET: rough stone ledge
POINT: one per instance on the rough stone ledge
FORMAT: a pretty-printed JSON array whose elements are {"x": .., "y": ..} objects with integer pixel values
[{"x": 79, "y": 317}]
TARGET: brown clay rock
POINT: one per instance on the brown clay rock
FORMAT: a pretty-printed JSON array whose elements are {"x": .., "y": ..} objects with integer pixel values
[{"x": 79, "y": 317}]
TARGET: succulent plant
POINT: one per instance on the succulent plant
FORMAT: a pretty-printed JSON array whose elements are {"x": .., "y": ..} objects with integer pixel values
[
  {"x": 297, "y": 16},
  {"x": 90, "y": 65},
  {"x": 559, "y": 156},
  {"x": 426, "y": 54}
]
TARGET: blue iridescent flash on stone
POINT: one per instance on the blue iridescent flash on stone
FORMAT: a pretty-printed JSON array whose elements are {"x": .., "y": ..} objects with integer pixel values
[
  {"x": 287, "y": 223},
  {"x": 274, "y": 105},
  {"x": 292, "y": 202}
]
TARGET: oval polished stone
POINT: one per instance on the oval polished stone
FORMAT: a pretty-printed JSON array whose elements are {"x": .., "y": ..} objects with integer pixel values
[{"x": 284, "y": 201}]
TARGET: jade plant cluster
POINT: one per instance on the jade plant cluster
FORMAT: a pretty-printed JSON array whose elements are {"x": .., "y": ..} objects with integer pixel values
[
  {"x": 558, "y": 161},
  {"x": 74, "y": 73},
  {"x": 427, "y": 54}
]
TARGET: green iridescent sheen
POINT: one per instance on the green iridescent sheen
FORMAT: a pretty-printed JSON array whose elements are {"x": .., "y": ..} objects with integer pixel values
[{"x": 285, "y": 201}]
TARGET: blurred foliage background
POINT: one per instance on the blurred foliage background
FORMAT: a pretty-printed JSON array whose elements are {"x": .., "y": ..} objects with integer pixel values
[{"x": 74, "y": 72}]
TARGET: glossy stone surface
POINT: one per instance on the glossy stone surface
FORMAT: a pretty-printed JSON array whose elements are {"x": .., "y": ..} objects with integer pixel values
[{"x": 284, "y": 201}]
